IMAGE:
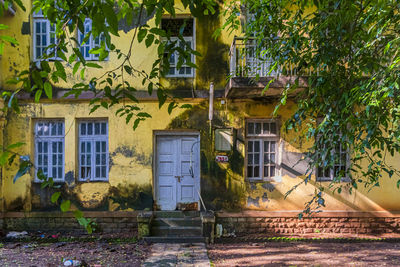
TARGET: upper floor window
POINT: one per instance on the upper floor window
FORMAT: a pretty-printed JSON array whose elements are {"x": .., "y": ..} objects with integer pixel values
[
  {"x": 185, "y": 26},
  {"x": 88, "y": 42},
  {"x": 262, "y": 149},
  {"x": 44, "y": 35},
  {"x": 49, "y": 149},
  {"x": 93, "y": 151},
  {"x": 339, "y": 169}
]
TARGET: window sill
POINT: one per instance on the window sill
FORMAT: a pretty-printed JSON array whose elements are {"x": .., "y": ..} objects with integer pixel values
[{"x": 276, "y": 179}]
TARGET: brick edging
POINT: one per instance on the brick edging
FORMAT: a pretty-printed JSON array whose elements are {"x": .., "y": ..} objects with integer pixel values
[
  {"x": 57, "y": 214},
  {"x": 294, "y": 214}
]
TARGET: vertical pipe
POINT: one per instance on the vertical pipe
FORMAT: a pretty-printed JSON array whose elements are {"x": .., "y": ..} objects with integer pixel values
[{"x": 211, "y": 106}]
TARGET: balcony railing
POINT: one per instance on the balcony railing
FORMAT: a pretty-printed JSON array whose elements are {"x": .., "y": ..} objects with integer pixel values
[{"x": 246, "y": 61}]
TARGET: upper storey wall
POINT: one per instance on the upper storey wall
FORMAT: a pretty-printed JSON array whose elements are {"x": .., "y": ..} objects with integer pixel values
[{"x": 213, "y": 64}]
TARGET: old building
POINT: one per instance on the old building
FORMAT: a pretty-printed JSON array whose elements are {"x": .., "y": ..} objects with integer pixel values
[{"x": 241, "y": 163}]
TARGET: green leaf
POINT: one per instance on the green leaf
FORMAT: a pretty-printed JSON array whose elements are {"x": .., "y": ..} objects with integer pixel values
[
  {"x": 24, "y": 168},
  {"x": 76, "y": 67},
  {"x": 144, "y": 115},
  {"x": 111, "y": 17},
  {"x": 142, "y": 33},
  {"x": 48, "y": 90},
  {"x": 15, "y": 145},
  {"x": 398, "y": 184},
  {"x": 60, "y": 70},
  {"x": 55, "y": 196},
  {"x": 171, "y": 106},
  {"x": 186, "y": 106},
  {"x": 149, "y": 40},
  {"x": 78, "y": 214},
  {"x": 38, "y": 94},
  {"x": 129, "y": 117},
  {"x": 4, "y": 157},
  {"x": 65, "y": 205},
  {"x": 93, "y": 65}
]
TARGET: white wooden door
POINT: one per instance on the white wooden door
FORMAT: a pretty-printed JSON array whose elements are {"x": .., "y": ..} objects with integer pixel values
[{"x": 177, "y": 170}]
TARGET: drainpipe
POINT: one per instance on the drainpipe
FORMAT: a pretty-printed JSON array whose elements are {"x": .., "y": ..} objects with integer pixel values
[{"x": 211, "y": 106}]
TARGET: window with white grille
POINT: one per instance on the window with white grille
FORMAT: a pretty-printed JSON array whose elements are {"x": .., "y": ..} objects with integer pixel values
[
  {"x": 88, "y": 42},
  {"x": 93, "y": 151},
  {"x": 340, "y": 156},
  {"x": 44, "y": 35},
  {"x": 49, "y": 149},
  {"x": 184, "y": 27},
  {"x": 262, "y": 149}
]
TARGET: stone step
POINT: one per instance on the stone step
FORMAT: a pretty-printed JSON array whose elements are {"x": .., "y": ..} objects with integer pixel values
[
  {"x": 175, "y": 214},
  {"x": 179, "y": 231},
  {"x": 175, "y": 222},
  {"x": 174, "y": 239}
]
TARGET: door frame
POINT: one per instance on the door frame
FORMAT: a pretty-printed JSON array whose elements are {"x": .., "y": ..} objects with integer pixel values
[{"x": 180, "y": 132}]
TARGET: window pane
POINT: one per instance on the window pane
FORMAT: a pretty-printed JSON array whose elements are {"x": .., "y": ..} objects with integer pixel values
[
  {"x": 60, "y": 147},
  {"x": 97, "y": 172},
  {"x": 97, "y": 159},
  {"x": 249, "y": 171},
  {"x": 60, "y": 127},
  {"x": 250, "y": 146},
  {"x": 54, "y": 147},
  {"x": 256, "y": 171},
  {"x": 53, "y": 129},
  {"x": 103, "y": 159},
  {"x": 256, "y": 146},
  {"x": 273, "y": 128},
  {"x": 265, "y": 128},
  {"x": 272, "y": 146},
  {"x": 258, "y": 128},
  {"x": 103, "y": 146},
  {"x": 103, "y": 128},
  {"x": 250, "y": 128},
  {"x": 90, "y": 128},
  {"x": 250, "y": 159},
  {"x": 256, "y": 158},
  {"x": 266, "y": 146},
  {"x": 83, "y": 128},
  {"x": 272, "y": 171},
  {"x": 97, "y": 146},
  {"x": 40, "y": 147},
  {"x": 82, "y": 147},
  {"x": 60, "y": 174},
  {"x": 103, "y": 172},
  {"x": 266, "y": 171},
  {"x": 97, "y": 128}
]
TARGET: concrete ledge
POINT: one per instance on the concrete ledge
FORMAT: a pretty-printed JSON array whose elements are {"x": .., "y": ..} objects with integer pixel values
[{"x": 294, "y": 214}]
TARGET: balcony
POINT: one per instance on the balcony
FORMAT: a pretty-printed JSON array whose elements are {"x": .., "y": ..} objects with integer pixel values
[{"x": 251, "y": 72}]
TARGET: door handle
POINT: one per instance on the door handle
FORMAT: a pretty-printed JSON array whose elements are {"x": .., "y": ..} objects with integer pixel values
[{"x": 178, "y": 177}]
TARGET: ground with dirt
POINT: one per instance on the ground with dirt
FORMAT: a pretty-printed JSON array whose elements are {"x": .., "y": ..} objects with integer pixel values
[
  {"x": 305, "y": 253},
  {"x": 92, "y": 253}
]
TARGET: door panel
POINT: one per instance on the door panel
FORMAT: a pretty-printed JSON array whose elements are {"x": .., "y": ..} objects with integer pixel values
[
  {"x": 166, "y": 189},
  {"x": 177, "y": 159},
  {"x": 189, "y": 185}
]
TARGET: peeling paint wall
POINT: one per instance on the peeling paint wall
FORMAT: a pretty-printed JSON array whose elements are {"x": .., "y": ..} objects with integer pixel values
[{"x": 223, "y": 185}]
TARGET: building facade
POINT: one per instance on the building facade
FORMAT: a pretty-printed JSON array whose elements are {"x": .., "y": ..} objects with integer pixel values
[{"x": 240, "y": 164}]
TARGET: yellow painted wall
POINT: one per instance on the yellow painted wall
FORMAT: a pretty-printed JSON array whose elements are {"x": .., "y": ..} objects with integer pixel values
[{"x": 223, "y": 185}]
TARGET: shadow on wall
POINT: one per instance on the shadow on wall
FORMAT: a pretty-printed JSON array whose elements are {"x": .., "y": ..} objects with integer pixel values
[
  {"x": 132, "y": 196},
  {"x": 221, "y": 188}
]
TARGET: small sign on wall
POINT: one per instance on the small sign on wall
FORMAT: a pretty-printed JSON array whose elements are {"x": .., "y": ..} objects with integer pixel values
[{"x": 221, "y": 158}]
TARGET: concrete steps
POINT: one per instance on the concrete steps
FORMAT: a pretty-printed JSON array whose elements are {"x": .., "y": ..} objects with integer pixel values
[{"x": 176, "y": 227}]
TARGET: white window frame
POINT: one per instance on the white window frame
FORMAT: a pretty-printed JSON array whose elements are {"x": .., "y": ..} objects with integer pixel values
[
  {"x": 262, "y": 137},
  {"x": 50, "y": 139},
  {"x": 92, "y": 139},
  {"x": 39, "y": 18},
  {"x": 191, "y": 39},
  {"x": 91, "y": 43},
  {"x": 331, "y": 176}
]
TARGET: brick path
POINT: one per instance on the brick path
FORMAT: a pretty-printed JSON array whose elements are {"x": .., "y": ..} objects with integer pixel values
[{"x": 185, "y": 255}]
